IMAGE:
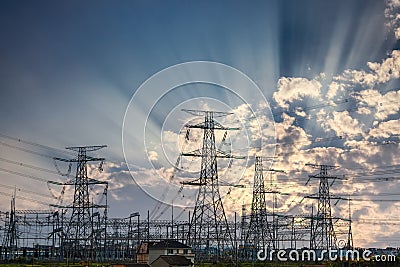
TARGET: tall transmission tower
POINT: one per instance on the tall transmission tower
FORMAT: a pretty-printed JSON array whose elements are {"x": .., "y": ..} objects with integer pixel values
[
  {"x": 209, "y": 231},
  {"x": 349, "y": 244},
  {"x": 275, "y": 219},
  {"x": 80, "y": 233},
  {"x": 259, "y": 234},
  {"x": 323, "y": 234}
]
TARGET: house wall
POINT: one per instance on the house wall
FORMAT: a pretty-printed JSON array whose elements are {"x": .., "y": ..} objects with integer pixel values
[{"x": 143, "y": 258}]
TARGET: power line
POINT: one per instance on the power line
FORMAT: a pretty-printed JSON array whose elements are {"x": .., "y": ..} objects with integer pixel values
[
  {"x": 25, "y": 190},
  {"x": 25, "y": 198},
  {"x": 317, "y": 106},
  {"x": 26, "y": 150},
  {"x": 31, "y": 176},
  {"x": 30, "y": 166},
  {"x": 35, "y": 144}
]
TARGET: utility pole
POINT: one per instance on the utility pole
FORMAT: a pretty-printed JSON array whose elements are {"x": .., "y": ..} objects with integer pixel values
[
  {"x": 172, "y": 221},
  {"x": 79, "y": 233},
  {"x": 148, "y": 225},
  {"x": 10, "y": 238},
  {"x": 243, "y": 232},
  {"x": 209, "y": 229},
  {"x": 235, "y": 242}
]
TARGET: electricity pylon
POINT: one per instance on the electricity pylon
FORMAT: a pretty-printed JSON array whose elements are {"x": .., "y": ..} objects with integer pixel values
[
  {"x": 349, "y": 244},
  {"x": 80, "y": 233},
  {"x": 323, "y": 234},
  {"x": 209, "y": 231},
  {"x": 260, "y": 235}
]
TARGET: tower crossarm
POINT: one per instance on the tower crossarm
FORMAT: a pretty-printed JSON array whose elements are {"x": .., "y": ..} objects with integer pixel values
[
  {"x": 219, "y": 154},
  {"x": 88, "y": 158},
  {"x": 320, "y": 166},
  {"x": 86, "y": 148},
  {"x": 216, "y": 126},
  {"x": 204, "y": 112},
  {"x": 90, "y": 181}
]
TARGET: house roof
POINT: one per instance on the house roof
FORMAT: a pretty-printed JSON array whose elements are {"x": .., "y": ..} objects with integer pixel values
[
  {"x": 168, "y": 244},
  {"x": 175, "y": 260}
]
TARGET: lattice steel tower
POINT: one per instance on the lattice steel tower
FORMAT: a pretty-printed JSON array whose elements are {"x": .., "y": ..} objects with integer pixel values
[
  {"x": 349, "y": 244},
  {"x": 323, "y": 235},
  {"x": 79, "y": 233},
  {"x": 259, "y": 234},
  {"x": 209, "y": 233}
]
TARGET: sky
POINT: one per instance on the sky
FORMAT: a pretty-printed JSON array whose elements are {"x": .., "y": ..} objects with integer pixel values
[{"x": 307, "y": 81}]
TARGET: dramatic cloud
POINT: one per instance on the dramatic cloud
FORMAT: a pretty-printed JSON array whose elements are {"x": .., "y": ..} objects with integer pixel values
[
  {"x": 372, "y": 101},
  {"x": 290, "y": 89},
  {"x": 392, "y": 13},
  {"x": 378, "y": 72},
  {"x": 333, "y": 89},
  {"x": 386, "y": 129},
  {"x": 342, "y": 124}
]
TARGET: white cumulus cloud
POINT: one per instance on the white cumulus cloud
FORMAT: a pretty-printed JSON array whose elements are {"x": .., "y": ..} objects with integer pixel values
[
  {"x": 343, "y": 124},
  {"x": 386, "y": 129},
  {"x": 392, "y": 13},
  {"x": 378, "y": 72},
  {"x": 290, "y": 89}
]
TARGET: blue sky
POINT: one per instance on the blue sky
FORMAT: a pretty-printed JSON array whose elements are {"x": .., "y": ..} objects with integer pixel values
[
  {"x": 69, "y": 64},
  {"x": 68, "y": 70}
]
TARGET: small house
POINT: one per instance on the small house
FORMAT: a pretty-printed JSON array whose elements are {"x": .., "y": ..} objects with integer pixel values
[{"x": 150, "y": 251}]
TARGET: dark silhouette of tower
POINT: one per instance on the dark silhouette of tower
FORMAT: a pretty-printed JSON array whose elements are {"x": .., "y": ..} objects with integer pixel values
[
  {"x": 209, "y": 232},
  {"x": 10, "y": 243},
  {"x": 323, "y": 235},
  {"x": 349, "y": 244},
  {"x": 259, "y": 235},
  {"x": 79, "y": 236}
]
